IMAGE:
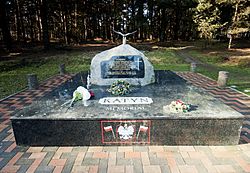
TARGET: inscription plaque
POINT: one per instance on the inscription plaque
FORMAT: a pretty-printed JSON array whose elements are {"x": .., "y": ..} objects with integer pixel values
[{"x": 123, "y": 67}]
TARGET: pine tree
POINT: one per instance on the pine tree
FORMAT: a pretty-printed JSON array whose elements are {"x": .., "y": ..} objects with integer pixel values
[
  {"x": 240, "y": 20},
  {"x": 207, "y": 18}
]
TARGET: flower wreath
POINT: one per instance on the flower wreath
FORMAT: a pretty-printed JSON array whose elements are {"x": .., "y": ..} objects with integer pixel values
[
  {"x": 119, "y": 87},
  {"x": 179, "y": 106}
]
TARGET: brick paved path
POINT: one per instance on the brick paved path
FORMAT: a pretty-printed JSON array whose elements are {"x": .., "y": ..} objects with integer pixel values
[{"x": 147, "y": 159}]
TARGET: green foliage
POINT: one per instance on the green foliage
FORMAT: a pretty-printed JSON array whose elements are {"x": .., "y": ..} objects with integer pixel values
[
  {"x": 207, "y": 17},
  {"x": 241, "y": 19},
  {"x": 119, "y": 88},
  {"x": 77, "y": 95}
]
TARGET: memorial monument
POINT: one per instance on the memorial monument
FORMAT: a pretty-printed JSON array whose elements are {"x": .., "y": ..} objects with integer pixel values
[
  {"x": 130, "y": 104},
  {"x": 123, "y": 62}
]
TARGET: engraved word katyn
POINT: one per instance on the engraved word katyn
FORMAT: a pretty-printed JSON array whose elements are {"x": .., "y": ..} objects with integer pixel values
[{"x": 125, "y": 100}]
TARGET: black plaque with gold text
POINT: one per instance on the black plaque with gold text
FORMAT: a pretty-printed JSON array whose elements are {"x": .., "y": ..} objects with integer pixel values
[{"x": 123, "y": 67}]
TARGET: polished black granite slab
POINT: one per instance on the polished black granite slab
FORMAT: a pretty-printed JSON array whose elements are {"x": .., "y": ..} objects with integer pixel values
[{"x": 47, "y": 122}]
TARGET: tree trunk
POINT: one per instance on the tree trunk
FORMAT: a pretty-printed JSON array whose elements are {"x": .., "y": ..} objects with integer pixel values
[
  {"x": 163, "y": 25},
  {"x": 177, "y": 20},
  {"x": 141, "y": 20},
  {"x": 230, "y": 42},
  {"x": 75, "y": 14},
  {"x": 5, "y": 25},
  {"x": 18, "y": 25},
  {"x": 31, "y": 28},
  {"x": 150, "y": 29},
  {"x": 85, "y": 32},
  {"x": 205, "y": 43},
  {"x": 38, "y": 20},
  {"x": 66, "y": 22},
  {"x": 44, "y": 21},
  {"x": 234, "y": 20},
  {"x": 23, "y": 31}
]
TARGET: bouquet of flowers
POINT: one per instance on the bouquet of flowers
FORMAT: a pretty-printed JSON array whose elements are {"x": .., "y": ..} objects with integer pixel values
[
  {"x": 179, "y": 106},
  {"x": 119, "y": 87}
]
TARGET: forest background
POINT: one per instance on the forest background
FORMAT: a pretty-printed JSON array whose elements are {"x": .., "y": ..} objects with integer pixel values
[
  {"x": 78, "y": 21},
  {"x": 36, "y": 36}
]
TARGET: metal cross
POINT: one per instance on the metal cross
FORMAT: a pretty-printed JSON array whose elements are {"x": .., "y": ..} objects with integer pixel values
[{"x": 138, "y": 62}]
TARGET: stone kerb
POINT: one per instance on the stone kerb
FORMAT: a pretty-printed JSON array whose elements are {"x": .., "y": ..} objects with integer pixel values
[{"x": 122, "y": 50}]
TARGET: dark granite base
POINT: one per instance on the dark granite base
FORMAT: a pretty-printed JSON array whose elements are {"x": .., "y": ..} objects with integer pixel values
[
  {"x": 47, "y": 123},
  {"x": 197, "y": 132},
  {"x": 161, "y": 132}
]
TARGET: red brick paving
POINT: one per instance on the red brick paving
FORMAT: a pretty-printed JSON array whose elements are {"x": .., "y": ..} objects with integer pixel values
[
  {"x": 79, "y": 158},
  {"x": 145, "y": 158},
  {"x": 34, "y": 165},
  {"x": 125, "y": 149},
  {"x": 65, "y": 149},
  {"x": 58, "y": 169},
  {"x": 156, "y": 148},
  {"x": 225, "y": 168},
  {"x": 171, "y": 162},
  {"x": 187, "y": 169},
  {"x": 100, "y": 155},
  {"x": 112, "y": 158},
  {"x": 37, "y": 155},
  {"x": 15, "y": 159},
  {"x": 35, "y": 149},
  {"x": 129, "y": 169},
  {"x": 78, "y": 169},
  {"x": 57, "y": 155},
  {"x": 174, "y": 159},
  {"x": 151, "y": 168},
  {"x": 116, "y": 169},
  {"x": 132, "y": 155},
  {"x": 57, "y": 162},
  {"x": 245, "y": 165},
  {"x": 10, "y": 169},
  {"x": 95, "y": 149},
  {"x": 93, "y": 169},
  {"x": 10, "y": 148}
]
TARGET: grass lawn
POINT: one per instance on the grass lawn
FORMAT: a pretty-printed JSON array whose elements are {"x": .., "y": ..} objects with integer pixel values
[
  {"x": 13, "y": 74},
  {"x": 236, "y": 62},
  {"x": 13, "y": 71},
  {"x": 238, "y": 78},
  {"x": 166, "y": 59}
]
